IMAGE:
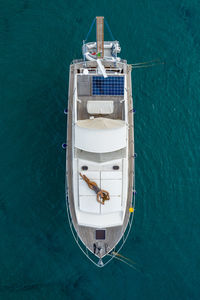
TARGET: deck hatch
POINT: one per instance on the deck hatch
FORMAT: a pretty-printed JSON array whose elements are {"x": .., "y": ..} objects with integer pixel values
[
  {"x": 100, "y": 234},
  {"x": 112, "y": 85}
]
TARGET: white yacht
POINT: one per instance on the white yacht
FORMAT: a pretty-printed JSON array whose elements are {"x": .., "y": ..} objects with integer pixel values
[{"x": 100, "y": 148}]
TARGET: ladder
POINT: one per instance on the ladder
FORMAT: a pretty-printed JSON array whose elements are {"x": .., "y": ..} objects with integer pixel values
[{"x": 100, "y": 36}]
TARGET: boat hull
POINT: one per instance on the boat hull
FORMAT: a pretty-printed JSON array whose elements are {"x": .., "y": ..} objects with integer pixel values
[{"x": 86, "y": 236}]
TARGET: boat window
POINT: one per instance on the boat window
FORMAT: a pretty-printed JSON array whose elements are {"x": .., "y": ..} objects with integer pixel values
[{"x": 100, "y": 157}]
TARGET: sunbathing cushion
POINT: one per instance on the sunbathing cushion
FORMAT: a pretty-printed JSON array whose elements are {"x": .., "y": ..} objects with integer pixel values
[
  {"x": 89, "y": 204},
  {"x": 112, "y": 205},
  {"x": 114, "y": 187},
  {"x": 100, "y": 107}
]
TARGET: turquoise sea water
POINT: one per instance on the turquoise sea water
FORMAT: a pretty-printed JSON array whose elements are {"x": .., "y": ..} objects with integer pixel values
[{"x": 38, "y": 256}]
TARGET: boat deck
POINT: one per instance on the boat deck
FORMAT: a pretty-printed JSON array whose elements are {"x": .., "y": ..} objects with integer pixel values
[{"x": 88, "y": 234}]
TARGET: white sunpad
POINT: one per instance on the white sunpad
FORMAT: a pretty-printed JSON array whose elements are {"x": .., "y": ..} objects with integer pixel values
[
  {"x": 84, "y": 190},
  {"x": 89, "y": 204},
  {"x": 111, "y": 175},
  {"x": 110, "y": 181},
  {"x": 114, "y": 187},
  {"x": 92, "y": 175},
  {"x": 87, "y": 197},
  {"x": 112, "y": 205},
  {"x": 100, "y": 107}
]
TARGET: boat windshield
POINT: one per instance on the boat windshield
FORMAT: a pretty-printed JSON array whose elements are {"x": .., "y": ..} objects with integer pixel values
[{"x": 100, "y": 157}]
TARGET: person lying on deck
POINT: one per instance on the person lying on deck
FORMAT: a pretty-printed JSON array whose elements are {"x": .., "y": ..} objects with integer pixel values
[{"x": 102, "y": 195}]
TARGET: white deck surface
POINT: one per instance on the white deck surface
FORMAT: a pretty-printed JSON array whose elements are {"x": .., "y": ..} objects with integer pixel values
[
  {"x": 95, "y": 220},
  {"x": 89, "y": 204},
  {"x": 89, "y": 211}
]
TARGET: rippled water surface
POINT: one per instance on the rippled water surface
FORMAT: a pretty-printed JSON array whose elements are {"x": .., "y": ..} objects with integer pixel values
[{"x": 39, "y": 258}]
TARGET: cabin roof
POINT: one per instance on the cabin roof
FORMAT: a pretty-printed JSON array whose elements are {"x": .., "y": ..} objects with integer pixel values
[{"x": 100, "y": 135}]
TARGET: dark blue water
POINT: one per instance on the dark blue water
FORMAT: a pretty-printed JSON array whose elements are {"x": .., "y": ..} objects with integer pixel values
[{"x": 38, "y": 256}]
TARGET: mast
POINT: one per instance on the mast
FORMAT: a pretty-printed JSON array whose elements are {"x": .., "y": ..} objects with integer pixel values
[{"x": 100, "y": 36}]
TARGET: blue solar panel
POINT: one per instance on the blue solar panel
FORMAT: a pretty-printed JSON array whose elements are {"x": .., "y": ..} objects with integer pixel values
[{"x": 113, "y": 85}]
